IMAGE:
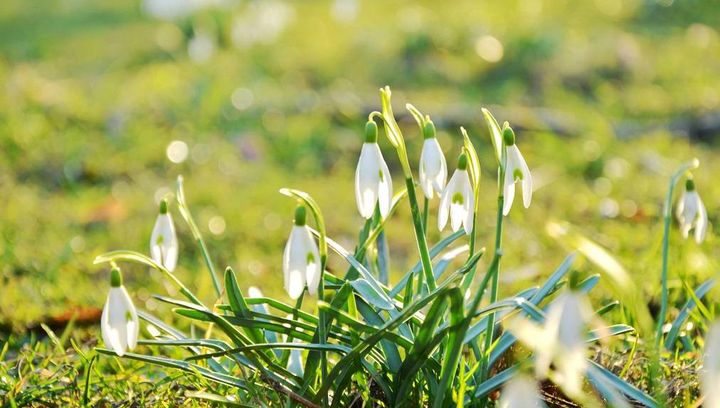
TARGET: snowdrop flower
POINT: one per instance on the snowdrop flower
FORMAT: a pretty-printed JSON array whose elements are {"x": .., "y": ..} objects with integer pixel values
[
  {"x": 301, "y": 261},
  {"x": 560, "y": 342},
  {"x": 372, "y": 177},
  {"x": 710, "y": 373},
  {"x": 433, "y": 169},
  {"x": 520, "y": 392},
  {"x": 119, "y": 321},
  {"x": 457, "y": 200},
  {"x": 691, "y": 213},
  {"x": 515, "y": 170},
  {"x": 163, "y": 240}
]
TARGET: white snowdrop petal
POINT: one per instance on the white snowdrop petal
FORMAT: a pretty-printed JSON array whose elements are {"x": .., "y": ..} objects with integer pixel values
[
  {"x": 164, "y": 243},
  {"x": 367, "y": 178},
  {"x": 132, "y": 324},
  {"x": 296, "y": 283},
  {"x": 445, "y": 201},
  {"x": 457, "y": 214},
  {"x": 117, "y": 312},
  {"x": 385, "y": 190},
  {"x": 509, "y": 196},
  {"x": 701, "y": 223},
  {"x": 313, "y": 273},
  {"x": 110, "y": 336},
  {"x": 469, "y": 212}
]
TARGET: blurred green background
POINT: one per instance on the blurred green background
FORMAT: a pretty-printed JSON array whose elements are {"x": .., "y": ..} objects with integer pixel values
[{"x": 104, "y": 104}]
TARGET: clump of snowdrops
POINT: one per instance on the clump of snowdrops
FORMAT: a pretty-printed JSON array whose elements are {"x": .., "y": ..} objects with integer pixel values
[{"x": 436, "y": 337}]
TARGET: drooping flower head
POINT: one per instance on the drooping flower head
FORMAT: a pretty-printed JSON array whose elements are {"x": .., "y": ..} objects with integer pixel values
[
  {"x": 301, "y": 260},
  {"x": 163, "y": 240},
  {"x": 710, "y": 373},
  {"x": 119, "y": 322},
  {"x": 433, "y": 168},
  {"x": 515, "y": 170},
  {"x": 457, "y": 201},
  {"x": 373, "y": 185},
  {"x": 691, "y": 213}
]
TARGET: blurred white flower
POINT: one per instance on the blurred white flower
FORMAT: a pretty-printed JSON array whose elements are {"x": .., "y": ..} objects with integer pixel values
[
  {"x": 691, "y": 213},
  {"x": 201, "y": 47},
  {"x": 373, "y": 184},
  {"x": 710, "y": 373},
  {"x": 345, "y": 11},
  {"x": 559, "y": 342},
  {"x": 515, "y": 170},
  {"x": 457, "y": 200},
  {"x": 119, "y": 322},
  {"x": 301, "y": 260},
  {"x": 433, "y": 168},
  {"x": 520, "y": 392},
  {"x": 163, "y": 240},
  {"x": 262, "y": 23}
]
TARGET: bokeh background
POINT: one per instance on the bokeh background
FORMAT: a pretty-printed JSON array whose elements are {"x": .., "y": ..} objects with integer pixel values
[{"x": 104, "y": 103}]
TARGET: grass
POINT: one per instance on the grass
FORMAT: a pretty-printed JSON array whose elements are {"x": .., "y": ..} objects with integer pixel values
[{"x": 606, "y": 103}]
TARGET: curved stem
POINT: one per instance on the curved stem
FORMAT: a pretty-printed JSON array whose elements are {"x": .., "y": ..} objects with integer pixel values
[{"x": 667, "y": 218}]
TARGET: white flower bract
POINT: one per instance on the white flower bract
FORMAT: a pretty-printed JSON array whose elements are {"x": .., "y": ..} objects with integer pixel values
[
  {"x": 457, "y": 202},
  {"x": 373, "y": 184},
  {"x": 433, "y": 168},
  {"x": 301, "y": 262},
  {"x": 691, "y": 214},
  {"x": 119, "y": 321},
  {"x": 164, "y": 243},
  {"x": 516, "y": 170}
]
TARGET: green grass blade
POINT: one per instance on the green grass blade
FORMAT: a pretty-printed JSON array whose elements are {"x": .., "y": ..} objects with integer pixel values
[{"x": 700, "y": 292}]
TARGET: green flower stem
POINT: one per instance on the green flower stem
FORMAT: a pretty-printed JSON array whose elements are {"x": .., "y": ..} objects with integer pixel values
[
  {"x": 667, "y": 218},
  {"x": 494, "y": 270},
  {"x": 420, "y": 234},
  {"x": 187, "y": 216},
  {"x": 426, "y": 210}
]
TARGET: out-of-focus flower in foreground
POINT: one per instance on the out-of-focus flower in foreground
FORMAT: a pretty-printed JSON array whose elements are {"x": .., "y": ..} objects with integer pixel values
[
  {"x": 559, "y": 342},
  {"x": 520, "y": 392},
  {"x": 515, "y": 170},
  {"x": 457, "y": 201},
  {"x": 373, "y": 184},
  {"x": 163, "y": 240},
  {"x": 301, "y": 260},
  {"x": 710, "y": 373},
  {"x": 433, "y": 168},
  {"x": 119, "y": 322},
  {"x": 691, "y": 213}
]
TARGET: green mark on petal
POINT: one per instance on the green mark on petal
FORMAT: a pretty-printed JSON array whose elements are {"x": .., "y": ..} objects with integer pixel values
[
  {"x": 517, "y": 175},
  {"x": 128, "y": 316},
  {"x": 458, "y": 198},
  {"x": 382, "y": 176},
  {"x": 310, "y": 258}
]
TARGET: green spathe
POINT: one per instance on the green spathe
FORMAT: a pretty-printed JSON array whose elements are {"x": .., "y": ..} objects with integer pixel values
[
  {"x": 429, "y": 130},
  {"x": 300, "y": 215},
  {"x": 116, "y": 279},
  {"x": 462, "y": 162},
  {"x": 163, "y": 206},
  {"x": 508, "y": 136},
  {"x": 371, "y": 132}
]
